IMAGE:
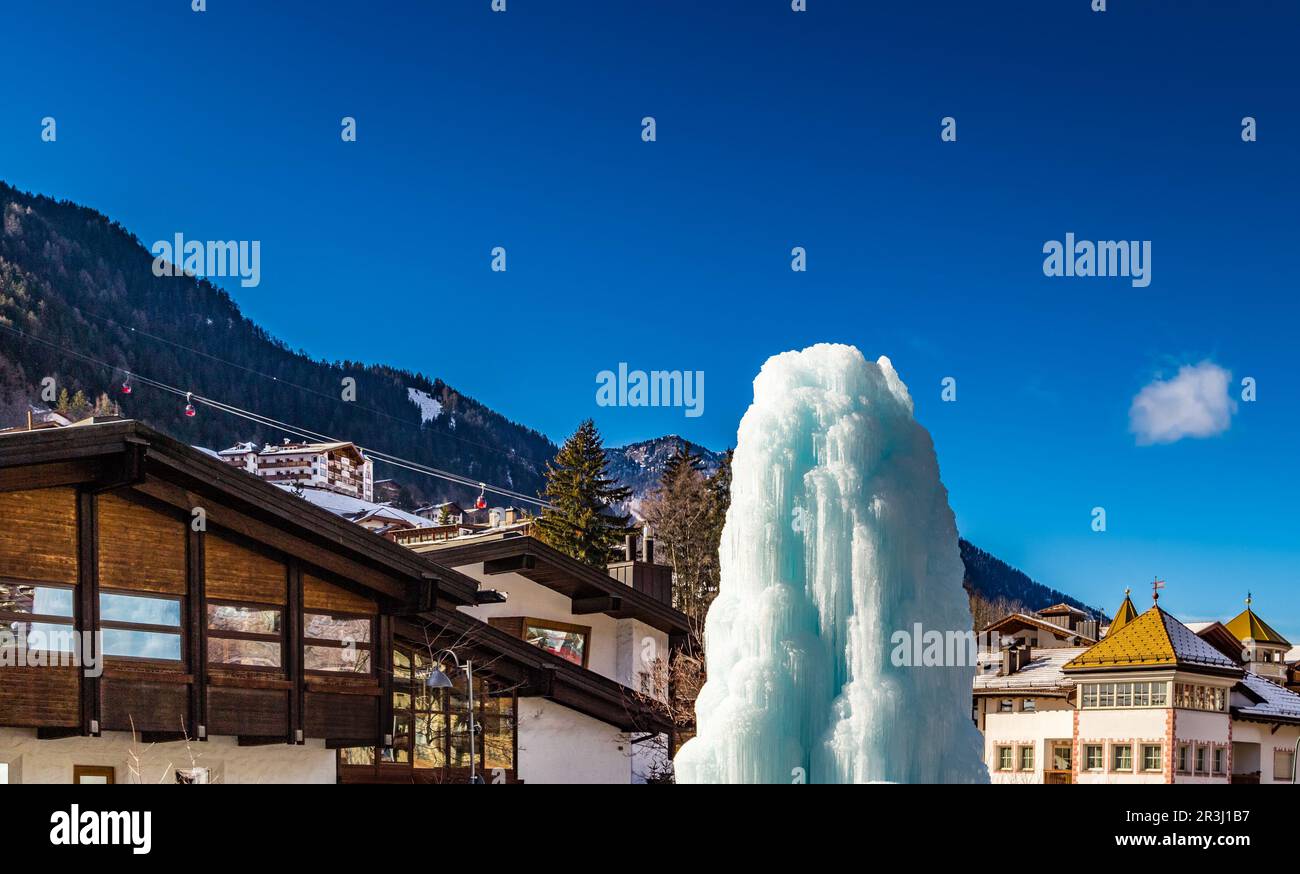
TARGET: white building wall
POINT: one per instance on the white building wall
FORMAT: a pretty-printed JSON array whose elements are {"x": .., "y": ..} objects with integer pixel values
[
  {"x": 1200, "y": 728},
  {"x": 559, "y": 745},
  {"x": 1261, "y": 741},
  {"x": 51, "y": 761},
  {"x": 617, "y": 648},
  {"x": 1019, "y": 729},
  {"x": 1133, "y": 726}
]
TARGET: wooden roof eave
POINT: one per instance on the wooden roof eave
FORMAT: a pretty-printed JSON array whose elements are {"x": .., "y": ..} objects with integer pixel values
[
  {"x": 172, "y": 461},
  {"x": 633, "y": 604},
  {"x": 542, "y": 674}
]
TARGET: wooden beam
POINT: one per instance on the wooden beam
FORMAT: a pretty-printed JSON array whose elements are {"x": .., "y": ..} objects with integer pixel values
[
  {"x": 250, "y": 740},
  {"x": 43, "y": 476},
  {"x": 384, "y": 656},
  {"x": 86, "y": 614},
  {"x": 196, "y": 599},
  {"x": 294, "y": 653},
  {"x": 57, "y": 732},
  {"x": 600, "y": 604},
  {"x": 509, "y": 565}
]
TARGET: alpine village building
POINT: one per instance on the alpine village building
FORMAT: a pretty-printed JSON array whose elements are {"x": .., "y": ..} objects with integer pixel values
[
  {"x": 1149, "y": 700},
  {"x": 167, "y": 617}
]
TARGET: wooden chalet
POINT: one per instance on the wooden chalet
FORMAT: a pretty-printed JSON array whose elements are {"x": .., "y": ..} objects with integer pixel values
[{"x": 255, "y": 628}]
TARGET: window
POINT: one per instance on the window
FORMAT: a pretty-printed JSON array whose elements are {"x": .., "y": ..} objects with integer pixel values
[
  {"x": 1283, "y": 764},
  {"x": 91, "y": 774},
  {"x": 39, "y": 613},
  {"x": 1092, "y": 756},
  {"x": 1142, "y": 694},
  {"x": 193, "y": 776},
  {"x": 1121, "y": 757},
  {"x": 1029, "y": 705},
  {"x": 1005, "y": 758},
  {"x": 431, "y": 726},
  {"x": 1189, "y": 696},
  {"x": 1182, "y": 758},
  {"x": 1006, "y": 705},
  {"x": 569, "y": 642},
  {"x": 4, "y": 773},
  {"x": 245, "y": 636},
  {"x": 1200, "y": 760},
  {"x": 1152, "y": 758},
  {"x": 337, "y": 643},
  {"x": 1061, "y": 755},
  {"x": 1026, "y": 758},
  {"x": 140, "y": 627},
  {"x": 1218, "y": 760}
]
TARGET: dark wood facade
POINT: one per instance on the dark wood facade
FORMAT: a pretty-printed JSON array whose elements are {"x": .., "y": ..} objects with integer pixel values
[
  {"x": 126, "y": 522},
  {"x": 237, "y": 609}
]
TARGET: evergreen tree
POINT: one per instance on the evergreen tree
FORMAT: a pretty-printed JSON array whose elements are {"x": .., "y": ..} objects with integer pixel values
[{"x": 581, "y": 522}]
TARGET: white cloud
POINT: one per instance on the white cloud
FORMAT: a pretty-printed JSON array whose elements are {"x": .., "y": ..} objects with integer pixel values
[{"x": 1195, "y": 403}]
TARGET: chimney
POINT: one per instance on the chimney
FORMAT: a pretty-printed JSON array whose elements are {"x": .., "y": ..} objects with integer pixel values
[
  {"x": 629, "y": 546},
  {"x": 649, "y": 550},
  {"x": 29, "y": 418}
]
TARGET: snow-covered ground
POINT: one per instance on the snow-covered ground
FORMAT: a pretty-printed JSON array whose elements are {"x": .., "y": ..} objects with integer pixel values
[{"x": 430, "y": 407}]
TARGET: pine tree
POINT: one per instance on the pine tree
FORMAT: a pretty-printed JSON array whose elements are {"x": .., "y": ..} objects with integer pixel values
[{"x": 581, "y": 523}]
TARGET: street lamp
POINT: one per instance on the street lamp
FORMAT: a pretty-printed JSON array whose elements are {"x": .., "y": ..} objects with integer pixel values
[{"x": 438, "y": 680}]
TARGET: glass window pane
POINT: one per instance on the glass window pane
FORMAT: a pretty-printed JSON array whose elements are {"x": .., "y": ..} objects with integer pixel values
[
  {"x": 498, "y": 742},
  {"x": 340, "y": 659},
  {"x": 460, "y": 741},
  {"x": 363, "y": 756},
  {"x": 139, "y": 611},
  {"x": 248, "y": 620},
  {"x": 142, "y": 644},
  {"x": 430, "y": 740},
  {"x": 247, "y": 653},
  {"x": 568, "y": 645},
  {"x": 401, "y": 665},
  {"x": 500, "y": 704},
  {"x": 40, "y": 600},
  {"x": 400, "y": 752},
  {"x": 321, "y": 627}
]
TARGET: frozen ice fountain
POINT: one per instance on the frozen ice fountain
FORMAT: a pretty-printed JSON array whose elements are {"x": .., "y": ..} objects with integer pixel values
[{"x": 839, "y": 535}]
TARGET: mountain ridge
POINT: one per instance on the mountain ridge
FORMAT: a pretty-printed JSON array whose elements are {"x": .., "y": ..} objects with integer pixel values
[{"x": 82, "y": 306}]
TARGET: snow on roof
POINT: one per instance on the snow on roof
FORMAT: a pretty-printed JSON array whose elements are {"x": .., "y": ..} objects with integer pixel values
[
  {"x": 301, "y": 448},
  {"x": 1198, "y": 627},
  {"x": 1043, "y": 673},
  {"x": 238, "y": 449},
  {"x": 355, "y": 508},
  {"x": 1293, "y": 655},
  {"x": 1278, "y": 702},
  {"x": 207, "y": 451}
]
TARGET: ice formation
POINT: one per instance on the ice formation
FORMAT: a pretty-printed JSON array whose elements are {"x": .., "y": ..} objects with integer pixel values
[{"x": 839, "y": 535}]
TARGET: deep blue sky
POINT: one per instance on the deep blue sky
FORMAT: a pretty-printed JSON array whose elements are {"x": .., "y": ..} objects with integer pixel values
[{"x": 775, "y": 129}]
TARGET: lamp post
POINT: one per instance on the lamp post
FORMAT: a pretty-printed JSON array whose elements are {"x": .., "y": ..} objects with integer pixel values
[{"x": 438, "y": 680}]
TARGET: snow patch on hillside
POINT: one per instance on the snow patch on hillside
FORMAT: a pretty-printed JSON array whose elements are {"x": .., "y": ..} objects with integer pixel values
[{"x": 430, "y": 408}]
